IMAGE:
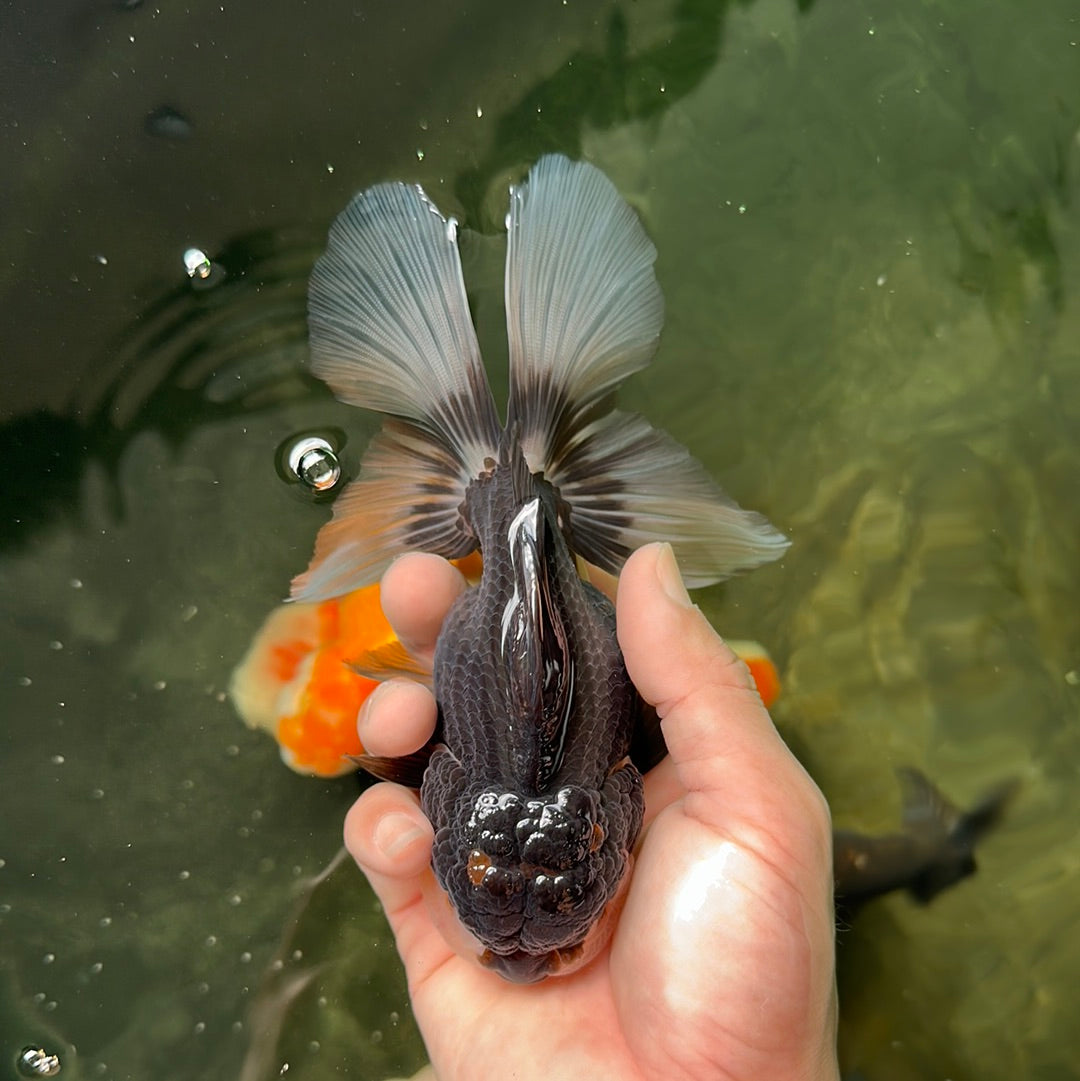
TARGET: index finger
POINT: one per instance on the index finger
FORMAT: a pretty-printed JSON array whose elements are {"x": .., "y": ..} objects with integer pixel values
[{"x": 417, "y": 591}]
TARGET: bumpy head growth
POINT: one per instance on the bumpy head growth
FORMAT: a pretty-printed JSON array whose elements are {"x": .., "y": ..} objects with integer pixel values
[{"x": 530, "y": 876}]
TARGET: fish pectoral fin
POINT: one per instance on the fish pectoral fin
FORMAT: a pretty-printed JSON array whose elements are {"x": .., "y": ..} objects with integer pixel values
[
  {"x": 390, "y": 661},
  {"x": 407, "y": 769}
]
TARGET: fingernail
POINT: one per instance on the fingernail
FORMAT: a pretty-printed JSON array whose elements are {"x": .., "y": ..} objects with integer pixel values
[
  {"x": 365, "y": 710},
  {"x": 394, "y": 832},
  {"x": 667, "y": 574}
]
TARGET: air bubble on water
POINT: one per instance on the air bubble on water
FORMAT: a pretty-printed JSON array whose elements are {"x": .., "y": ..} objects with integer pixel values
[
  {"x": 881, "y": 280},
  {"x": 197, "y": 263},
  {"x": 99, "y": 258},
  {"x": 313, "y": 461},
  {"x": 57, "y": 760},
  {"x": 37, "y": 1062},
  {"x": 48, "y": 959},
  {"x": 329, "y": 167},
  {"x": 479, "y": 112},
  {"x": 419, "y": 154},
  {"x": 200, "y": 1028},
  {"x": 203, "y": 273},
  {"x": 56, "y": 645}
]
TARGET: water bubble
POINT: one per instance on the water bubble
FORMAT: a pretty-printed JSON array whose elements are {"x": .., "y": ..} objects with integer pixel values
[
  {"x": 314, "y": 462},
  {"x": 197, "y": 264},
  {"x": 37, "y": 1062}
]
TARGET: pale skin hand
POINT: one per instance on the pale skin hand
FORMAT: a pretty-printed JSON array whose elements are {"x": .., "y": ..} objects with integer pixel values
[{"x": 722, "y": 963}]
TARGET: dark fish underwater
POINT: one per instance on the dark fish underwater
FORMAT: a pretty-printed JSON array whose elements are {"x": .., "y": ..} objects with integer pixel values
[{"x": 534, "y": 799}]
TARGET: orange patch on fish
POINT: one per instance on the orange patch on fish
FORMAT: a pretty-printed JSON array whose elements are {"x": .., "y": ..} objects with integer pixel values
[
  {"x": 766, "y": 678},
  {"x": 297, "y": 682}
]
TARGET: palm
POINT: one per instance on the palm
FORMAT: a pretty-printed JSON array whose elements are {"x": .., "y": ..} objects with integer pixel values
[{"x": 721, "y": 964}]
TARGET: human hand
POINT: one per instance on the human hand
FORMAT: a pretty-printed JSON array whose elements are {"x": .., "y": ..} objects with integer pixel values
[{"x": 722, "y": 962}]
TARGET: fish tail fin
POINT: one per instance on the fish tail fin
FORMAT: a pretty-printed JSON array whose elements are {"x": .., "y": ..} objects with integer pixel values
[
  {"x": 584, "y": 311},
  {"x": 391, "y": 331},
  {"x": 955, "y": 832}
]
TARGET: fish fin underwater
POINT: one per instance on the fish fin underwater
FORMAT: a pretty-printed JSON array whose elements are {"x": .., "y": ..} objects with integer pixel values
[{"x": 391, "y": 331}]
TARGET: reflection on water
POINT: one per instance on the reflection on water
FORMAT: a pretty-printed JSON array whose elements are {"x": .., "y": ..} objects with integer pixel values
[{"x": 870, "y": 250}]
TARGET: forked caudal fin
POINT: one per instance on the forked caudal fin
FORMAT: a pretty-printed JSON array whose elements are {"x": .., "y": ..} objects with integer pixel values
[{"x": 391, "y": 331}]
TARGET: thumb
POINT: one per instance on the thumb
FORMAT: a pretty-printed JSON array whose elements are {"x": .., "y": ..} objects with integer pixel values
[{"x": 724, "y": 746}]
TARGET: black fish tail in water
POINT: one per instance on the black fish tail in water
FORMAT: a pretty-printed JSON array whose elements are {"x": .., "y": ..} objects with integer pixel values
[
  {"x": 935, "y": 849},
  {"x": 534, "y": 801}
]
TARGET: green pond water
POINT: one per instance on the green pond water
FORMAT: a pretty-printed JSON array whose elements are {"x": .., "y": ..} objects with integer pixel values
[{"x": 868, "y": 219}]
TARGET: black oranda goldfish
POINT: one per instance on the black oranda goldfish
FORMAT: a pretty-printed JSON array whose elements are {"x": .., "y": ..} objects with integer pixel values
[{"x": 529, "y": 784}]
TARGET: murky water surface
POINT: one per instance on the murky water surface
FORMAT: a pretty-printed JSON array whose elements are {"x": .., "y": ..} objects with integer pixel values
[{"x": 869, "y": 234}]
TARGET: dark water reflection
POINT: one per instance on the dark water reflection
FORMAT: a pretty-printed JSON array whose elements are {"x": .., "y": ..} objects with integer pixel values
[{"x": 870, "y": 249}]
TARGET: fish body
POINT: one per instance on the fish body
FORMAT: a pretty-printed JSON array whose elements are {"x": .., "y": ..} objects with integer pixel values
[
  {"x": 535, "y": 813},
  {"x": 933, "y": 851},
  {"x": 535, "y": 805}
]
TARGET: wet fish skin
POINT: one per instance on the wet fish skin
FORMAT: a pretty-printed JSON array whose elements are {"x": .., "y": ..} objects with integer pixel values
[{"x": 533, "y": 799}]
